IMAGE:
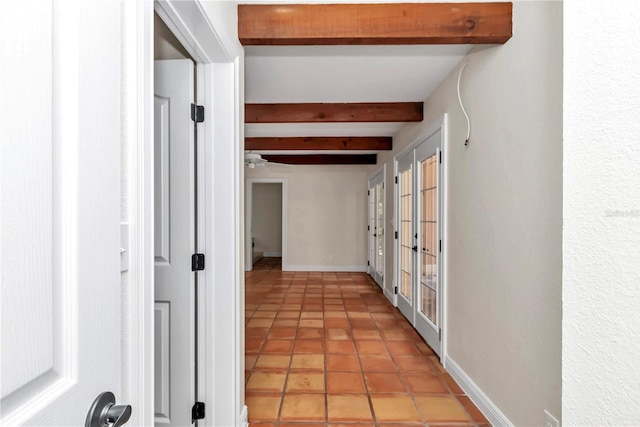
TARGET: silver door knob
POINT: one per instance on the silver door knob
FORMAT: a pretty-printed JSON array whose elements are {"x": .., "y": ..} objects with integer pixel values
[{"x": 105, "y": 413}]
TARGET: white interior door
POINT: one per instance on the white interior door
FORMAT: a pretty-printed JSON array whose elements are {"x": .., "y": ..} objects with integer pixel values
[
  {"x": 406, "y": 236},
  {"x": 59, "y": 210},
  {"x": 175, "y": 352},
  {"x": 428, "y": 280}
]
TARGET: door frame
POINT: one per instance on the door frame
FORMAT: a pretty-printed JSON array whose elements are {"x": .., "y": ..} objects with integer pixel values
[
  {"x": 220, "y": 69},
  {"x": 442, "y": 126},
  {"x": 381, "y": 171},
  {"x": 248, "y": 256}
]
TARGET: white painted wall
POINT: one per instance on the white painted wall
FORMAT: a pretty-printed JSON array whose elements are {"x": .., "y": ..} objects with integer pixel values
[
  {"x": 165, "y": 44},
  {"x": 326, "y": 215},
  {"x": 601, "y": 276},
  {"x": 267, "y": 218},
  {"x": 505, "y": 214}
]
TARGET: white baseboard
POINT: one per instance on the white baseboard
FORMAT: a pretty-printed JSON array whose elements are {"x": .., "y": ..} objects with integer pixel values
[
  {"x": 244, "y": 417},
  {"x": 387, "y": 293},
  {"x": 477, "y": 396},
  {"x": 336, "y": 268},
  {"x": 272, "y": 254}
]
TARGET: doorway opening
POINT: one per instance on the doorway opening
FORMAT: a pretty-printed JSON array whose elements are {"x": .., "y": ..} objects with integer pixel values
[{"x": 266, "y": 220}]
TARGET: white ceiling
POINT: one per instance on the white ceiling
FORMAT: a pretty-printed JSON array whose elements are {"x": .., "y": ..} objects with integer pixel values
[{"x": 293, "y": 74}]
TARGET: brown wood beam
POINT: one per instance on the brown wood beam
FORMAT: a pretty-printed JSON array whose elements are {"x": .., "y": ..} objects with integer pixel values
[
  {"x": 374, "y": 24},
  {"x": 352, "y": 112},
  {"x": 373, "y": 143},
  {"x": 322, "y": 159}
]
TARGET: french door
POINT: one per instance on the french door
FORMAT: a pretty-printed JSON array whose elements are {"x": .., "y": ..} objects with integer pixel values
[
  {"x": 376, "y": 227},
  {"x": 419, "y": 242}
]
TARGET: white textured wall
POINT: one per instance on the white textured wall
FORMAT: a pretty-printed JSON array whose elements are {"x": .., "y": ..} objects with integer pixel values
[
  {"x": 601, "y": 276},
  {"x": 326, "y": 215},
  {"x": 505, "y": 214},
  {"x": 267, "y": 218}
]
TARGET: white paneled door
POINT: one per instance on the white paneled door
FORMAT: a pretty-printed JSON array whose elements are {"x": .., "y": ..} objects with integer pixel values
[
  {"x": 376, "y": 227},
  {"x": 174, "y": 242},
  {"x": 419, "y": 244},
  {"x": 59, "y": 209}
]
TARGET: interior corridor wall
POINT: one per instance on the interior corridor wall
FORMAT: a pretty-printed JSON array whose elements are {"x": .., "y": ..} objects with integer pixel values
[
  {"x": 504, "y": 190},
  {"x": 267, "y": 219},
  {"x": 326, "y": 215}
]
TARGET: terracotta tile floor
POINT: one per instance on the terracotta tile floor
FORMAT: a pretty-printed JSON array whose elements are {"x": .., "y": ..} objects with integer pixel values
[{"x": 328, "y": 349}]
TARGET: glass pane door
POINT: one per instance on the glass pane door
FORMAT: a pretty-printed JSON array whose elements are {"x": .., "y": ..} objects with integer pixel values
[
  {"x": 376, "y": 227},
  {"x": 428, "y": 267},
  {"x": 379, "y": 242},
  {"x": 406, "y": 240},
  {"x": 419, "y": 264},
  {"x": 428, "y": 238}
]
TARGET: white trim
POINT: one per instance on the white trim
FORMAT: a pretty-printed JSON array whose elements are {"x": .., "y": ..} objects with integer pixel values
[
  {"x": 445, "y": 234},
  {"x": 137, "y": 93},
  {"x": 329, "y": 268},
  {"x": 223, "y": 372},
  {"x": 244, "y": 417},
  {"x": 475, "y": 393},
  {"x": 271, "y": 254},
  {"x": 248, "y": 189},
  {"x": 390, "y": 295}
]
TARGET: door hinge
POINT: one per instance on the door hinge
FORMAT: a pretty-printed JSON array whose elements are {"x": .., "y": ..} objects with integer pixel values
[
  {"x": 441, "y": 157},
  {"x": 396, "y": 234},
  {"x": 395, "y": 290},
  {"x": 197, "y": 113},
  {"x": 440, "y": 246},
  {"x": 440, "y": 334},
  {"x": 396, "y": 179},
  {"x": 197, "y": 262},
  {"x": 368, "y": 263},
  {"x": 368, "y": 193},
  {"x": 368, "y": 227},
  {"x": 197, "y": 412}
]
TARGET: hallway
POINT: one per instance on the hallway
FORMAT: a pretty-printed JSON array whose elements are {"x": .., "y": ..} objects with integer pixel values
[{"x": 328, "y": 349}]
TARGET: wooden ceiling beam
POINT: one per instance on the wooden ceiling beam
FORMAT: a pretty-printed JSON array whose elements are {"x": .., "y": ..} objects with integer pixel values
[
  {"x": 322, "y": 159},
  {"x": 375, "y": 24},
  {"x": 374, "y": 143},
  {"x": 332, "y": 113}
]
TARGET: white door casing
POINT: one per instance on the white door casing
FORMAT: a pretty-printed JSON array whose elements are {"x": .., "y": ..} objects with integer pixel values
[
  {"x": 60, "y": 210},
  {"x": 174, "y": 242}
]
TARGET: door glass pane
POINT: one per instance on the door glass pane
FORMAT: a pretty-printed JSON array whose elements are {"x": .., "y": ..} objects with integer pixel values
[
  {"x": 405, "y": 234},
  {"x": 380, "y": 228},
  {"x": 429, "y": 238}
]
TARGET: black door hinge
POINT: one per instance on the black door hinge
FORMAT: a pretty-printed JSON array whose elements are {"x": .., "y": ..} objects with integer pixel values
[
  {"x": 440, "y": 245},
  {"x": 368, "y": 263},
  {"x": 441, "y": 157},
  {"x": 368, "y": 227},
  {"x": 396, "y": 178},
  {"x": 395, "y": 290},
  {"x": 197, "y": 262},
  {"x": 396, "y": 234},
  {"x": 197, "y": 113},
  {"x": 368, "y": 193},
  {"x": 197, "y": 412}
]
